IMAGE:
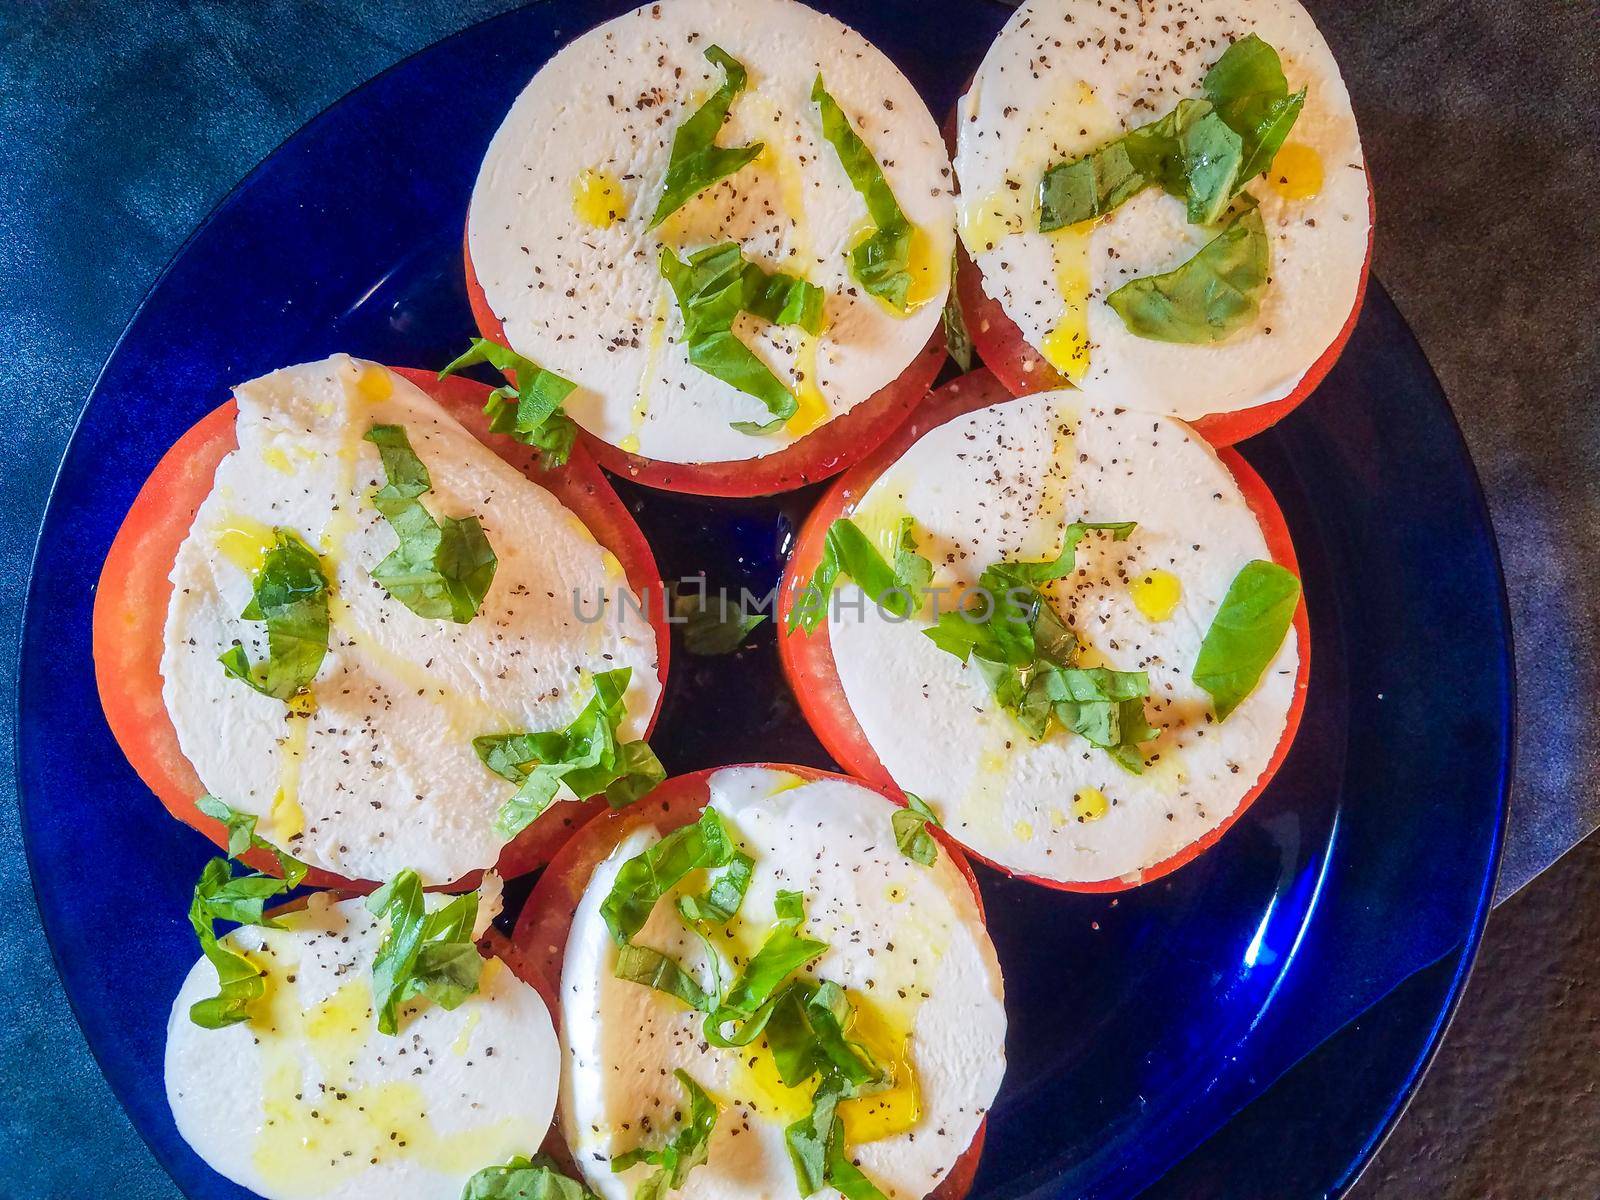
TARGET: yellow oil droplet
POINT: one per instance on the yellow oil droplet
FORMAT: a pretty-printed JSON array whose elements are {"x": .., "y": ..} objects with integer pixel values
[
  {"x": 896, "y": 894},
  {"x": 1066, "y": 346},
  {"x": 652, "y": 355},
  {"x": 286, "y": 817},
  {"x": 1023, "y": 830},
  {"x": 791, "y": 195},
  {"x": 811, "y": 407},
  {"x": 1090, "y": 804},
  {"x": 463, "y": 1040},
  {"x": 923, "y": 264},
  {"x": 898, "y": 1108},
  {"x": 1156, "y": 594},
  {"x": 244, "y": 541},
  {"x": 987, "y": 222},
  {"x": 277, "y": 460},
  {"x": 598, "y": 199},
  {"x": 373, "y": 383},
  {"x": 785, "y": 781},
  {"x": 1296, "y": 172},
  {"x": 755, "y": 1082}
]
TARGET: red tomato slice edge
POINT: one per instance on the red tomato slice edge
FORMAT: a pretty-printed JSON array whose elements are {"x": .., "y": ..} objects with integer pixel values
[
  {"x": 130, "y": 609},
  {"x": 813, "y": 675},
  {"x": 539, "y": 941},
  {"x": 834, "y": 447}
]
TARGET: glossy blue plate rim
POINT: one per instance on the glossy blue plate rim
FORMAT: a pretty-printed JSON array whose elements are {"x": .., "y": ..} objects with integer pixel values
[{"x": 1379, "y": 1126}]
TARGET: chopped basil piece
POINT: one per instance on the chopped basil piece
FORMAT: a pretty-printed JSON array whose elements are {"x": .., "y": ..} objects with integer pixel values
[
  {"x": 1205, "y": 150},
  {"x": 957, "y": 339},
  {"x": 880, "y": 262},
  {"x": 682, "y": 1152},
  {"x": 1009, "y": 632},
  {"x": 651, "y": 874},
  {"x": 441, "y": 569},
  {"x": 911, "y": 834},
  {"x": 654, "y": 969},
  {"x": 290, "y": 593},
  {"x": 696, "y": 161},
  {"x": 1207, "y": 299},
  {"x": 724, "y": 896},
  {"x": 586, "y": 756},
  {"x": 712, "y": 626},
  {"x": 423, "y": 953},
  {"x": 712, "y": 288},
  {"x": 897, "y": 590},
  {"x": 1246, "y": 632},
  {"x": 531, "y": 411},
  {"x": 536, "y": 1178},
  {"x": 219, "y": 895},
  {"x": 751, "y": 998}
]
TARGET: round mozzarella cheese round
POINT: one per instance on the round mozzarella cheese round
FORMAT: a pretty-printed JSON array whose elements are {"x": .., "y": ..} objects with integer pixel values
[
  {"x": 1002, "y": 483},
  {"x": 308, "y": 1099},
  {"x": 906, "y": 942},
  {"x": 376, "y": 772},
  {"x": 1067, "y": 77},
  {"x": 559, "y": 234}
]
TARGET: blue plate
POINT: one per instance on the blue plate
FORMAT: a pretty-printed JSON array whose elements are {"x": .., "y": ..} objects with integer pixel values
[{"x": 1142, "y": 1024}]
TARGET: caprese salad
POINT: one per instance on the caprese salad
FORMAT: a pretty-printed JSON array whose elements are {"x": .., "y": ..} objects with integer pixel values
[
  {"x": 1075, "y": 633},
  {"x": 728, "y": 228},
  {"x": 372, "y": 628},
  {"x": 1165, "y": 206},
  {"x": 768, "y": 980},
  {"x": 333, "y": 608}
]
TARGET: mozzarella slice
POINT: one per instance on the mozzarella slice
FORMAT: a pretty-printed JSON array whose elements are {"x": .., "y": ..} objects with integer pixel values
[
  {"x": 908, "y": 944},
  {"x": 557, "y": 231},
  {"x": 307, "y": 1099},
  {"x": 1066, "y": 77},
  {"x": 381, "y": 775},
  {"x": 1001, "y": 483}
]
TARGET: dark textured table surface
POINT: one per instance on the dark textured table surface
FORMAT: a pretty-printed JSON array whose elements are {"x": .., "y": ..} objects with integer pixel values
[{"x": 122, "y": 123}]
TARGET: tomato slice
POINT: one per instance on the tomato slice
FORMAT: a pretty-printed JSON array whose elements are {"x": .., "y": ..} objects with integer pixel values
[
  {"x": 539, "y": 942},
  {"x": 837, "y": 445},
  {"x": 809, "y": 665},
  {"x": 130, "y": 610},
  {"x": 1021, "y": 369}
]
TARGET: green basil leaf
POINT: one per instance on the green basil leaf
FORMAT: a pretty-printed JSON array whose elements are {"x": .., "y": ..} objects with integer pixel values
[
  {"x": 290, "y": 593},
  {"x": 957, "y": 339},
  {"x": 911, "y": 835},
  {"x": 536, "y": 1178},
  {"x": 219, "y": 895},
  {"x": 531, "y": 411},
  {"x": 1246, "y": 632},
  {"x": 441, "y": 569},
  {"x": 817, "y": 1148},
  {"x": 586, "y": 756},
  {"x": 1251, "y": 95},
  {"x": 724, "y": 896},
  {"x": 1213, "y": 155},
  {"x": 897, "y": 590},
  {"x": 242, "y": 837},
  {"x": 422, "y": 953},
  {"x": 1094, "y": 185},
  {"x": 685, "y": 1150},
  {"x": 843, "y": 1175},
  {"x": 881, "y": 262},
  {"x": 1011, "y": 635},
  {"x": 1102, "y": 706},
  {"x": 1207, "y": 299},
  {"x": 652, "y": 873},
  {"x": 712, "y": 288},
  {"x": 752, "y": 997},
  {"x": 696, "y": 161},
  {"x": 711, "y": 625},
  {"x": 653, "y": 969}
]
